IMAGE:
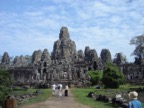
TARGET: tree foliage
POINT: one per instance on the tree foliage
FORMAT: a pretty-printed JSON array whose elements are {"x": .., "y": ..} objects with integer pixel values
[
  {"x": 138, "y": 41},
  {"x": 5, "y": 83},
  {"x": 112, "y": 76},
  {"x": 95, "y": 76}
]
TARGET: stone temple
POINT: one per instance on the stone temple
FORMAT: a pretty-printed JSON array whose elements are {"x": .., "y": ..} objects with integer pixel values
[{"x": 64, "y": 64}]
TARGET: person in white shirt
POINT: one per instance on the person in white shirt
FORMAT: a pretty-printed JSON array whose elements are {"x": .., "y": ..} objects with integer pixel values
[
  {"x": 54, "y": 89},
  {"x": 60, "y": 90}
]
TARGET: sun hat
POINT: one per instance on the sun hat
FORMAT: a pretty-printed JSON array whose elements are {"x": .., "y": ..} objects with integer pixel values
[{"x": 133, "y": 95}]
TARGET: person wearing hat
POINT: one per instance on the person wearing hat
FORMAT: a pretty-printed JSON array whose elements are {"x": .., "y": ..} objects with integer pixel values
[{"x": 134, "y": 103}]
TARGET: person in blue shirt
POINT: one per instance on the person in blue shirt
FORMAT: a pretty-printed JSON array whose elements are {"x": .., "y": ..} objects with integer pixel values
[{"x": 134, "y": 103}]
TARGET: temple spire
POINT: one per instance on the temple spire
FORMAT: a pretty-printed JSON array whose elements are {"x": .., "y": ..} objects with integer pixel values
[{"x": 64, "y": 34}]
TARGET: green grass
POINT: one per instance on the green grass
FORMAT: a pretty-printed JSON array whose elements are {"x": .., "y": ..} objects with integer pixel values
[
  {"x": 80, "y": 95},
  {"x": 19, "y": 92},
  {"x": 126, "y": 86},
  {"x": 39, "y": 98}
]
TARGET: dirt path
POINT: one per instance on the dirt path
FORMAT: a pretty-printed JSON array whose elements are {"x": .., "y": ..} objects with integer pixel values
[{"x": 57, "y": 102}]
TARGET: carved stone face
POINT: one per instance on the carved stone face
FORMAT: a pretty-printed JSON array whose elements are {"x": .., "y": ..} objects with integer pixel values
[{"x": 64, "y": 34}]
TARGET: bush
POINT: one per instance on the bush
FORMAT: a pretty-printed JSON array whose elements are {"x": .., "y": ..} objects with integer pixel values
[
  {"x": 95, "y": 76},
  {"x": 5, "y": 83},
  {"x": 112, "y": 76}
]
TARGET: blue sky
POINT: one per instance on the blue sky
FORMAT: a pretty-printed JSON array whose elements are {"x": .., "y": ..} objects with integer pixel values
[{"x": 29, "y": 25}]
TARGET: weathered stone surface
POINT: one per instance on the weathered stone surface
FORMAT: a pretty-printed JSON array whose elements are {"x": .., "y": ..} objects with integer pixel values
[
  {"x": 64, "y": 34},
  {"x": 36, "y": 56},
  {"x": 120, "y": 59},
  {"x": 80, "y": 55},
  {"x": 28, "y": 59},
  {"x": 5, "y": 58},
  {"x": 105, "y": 56},
  {"x": 64, "y": 48},
  {"x": 21, "y": 74},
  {"x": 91, "y": 57},
  {"x": 138, "y": 61},
  {"x": 45, "y": 56},
  {"x": 20, "y": 61},
  {"x": 94, "y": 59},
  {"x": 87, "y": 53},
  {"x": 100, "y": 64}
]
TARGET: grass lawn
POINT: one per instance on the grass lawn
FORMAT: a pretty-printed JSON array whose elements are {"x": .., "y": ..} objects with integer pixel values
[
  {"x": 19, "y": 91},
  {"x": 41, "y": 97},
  {"x": 80, "y": 95}
]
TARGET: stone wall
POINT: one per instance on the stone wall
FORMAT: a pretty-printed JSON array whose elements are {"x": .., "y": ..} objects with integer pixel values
[
  {"x": 21, "y": 74},
  {"x": 133, "y": 73}
]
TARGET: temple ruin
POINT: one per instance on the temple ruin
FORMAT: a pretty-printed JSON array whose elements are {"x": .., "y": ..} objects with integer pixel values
[{"x": 64, "y": 64}]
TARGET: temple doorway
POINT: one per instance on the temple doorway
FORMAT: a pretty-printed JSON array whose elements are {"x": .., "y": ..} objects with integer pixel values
[{"x": 65, "y": 75}]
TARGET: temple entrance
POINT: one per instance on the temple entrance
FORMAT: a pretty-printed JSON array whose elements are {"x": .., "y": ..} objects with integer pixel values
[{"x": 65, "y": 75}]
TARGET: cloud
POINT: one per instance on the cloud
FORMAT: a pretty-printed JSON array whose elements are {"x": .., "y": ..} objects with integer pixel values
[{"x": 99, "y": 24}]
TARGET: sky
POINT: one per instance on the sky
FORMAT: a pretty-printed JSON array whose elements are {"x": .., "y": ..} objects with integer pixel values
[{"x": 29, "y": 25}]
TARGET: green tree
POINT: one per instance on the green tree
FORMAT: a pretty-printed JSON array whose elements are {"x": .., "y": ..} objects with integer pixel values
[
  {"x": 5, "y": 83},
  {"x": 138, "y": 41},
  {"x": 112, "y": 76},
  {"x": 95, "y": 76}
]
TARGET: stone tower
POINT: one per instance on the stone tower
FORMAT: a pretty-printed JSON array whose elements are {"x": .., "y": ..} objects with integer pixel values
[
  {"x": 64, "y": 48},
  {"x": 5, "y": 58}
]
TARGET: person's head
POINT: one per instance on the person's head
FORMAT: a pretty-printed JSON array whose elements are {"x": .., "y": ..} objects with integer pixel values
[{"x": 133, "y": 95}]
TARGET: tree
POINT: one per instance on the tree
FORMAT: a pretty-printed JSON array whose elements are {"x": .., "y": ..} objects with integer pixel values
[
  {"x": 5, "y": 83},
  {"x": 138, "y": 41},
  {"x": 95, "y": 76},
  {"x": 112, "y": 76}
]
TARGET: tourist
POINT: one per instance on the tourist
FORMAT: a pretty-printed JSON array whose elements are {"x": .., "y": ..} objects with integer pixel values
[
  {"x": 134, "y": 103},
  {"x": 54, "y": 89},
  {"x": 60, "y": 90},
  {"x": 66, "y": 90}
]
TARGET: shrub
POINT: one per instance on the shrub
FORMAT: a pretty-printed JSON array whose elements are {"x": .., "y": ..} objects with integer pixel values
[
  {"x": 112, "y": 76},
  {"x": 5, "y": 83},
  {"x": 95, "y": 76}
]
